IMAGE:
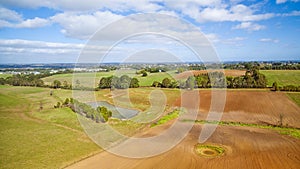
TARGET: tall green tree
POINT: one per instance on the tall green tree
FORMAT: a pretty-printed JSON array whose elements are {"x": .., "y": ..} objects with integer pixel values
[
  {"x": 104, "y": 112},
  {"x": 190, "y": 82},
  {"x": 166, "y": 83},
  {"x": 56, "y": 84}
]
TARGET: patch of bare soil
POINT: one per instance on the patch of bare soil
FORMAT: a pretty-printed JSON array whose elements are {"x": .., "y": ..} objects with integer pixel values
[{"x": 250, "y": 148}]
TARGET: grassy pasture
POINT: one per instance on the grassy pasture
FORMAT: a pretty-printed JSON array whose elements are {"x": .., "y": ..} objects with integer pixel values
[
  {"x": 53, "y": 138},
  {"x": 38, "y": 139},
  {"x": 4, "y": 75},
  {"x": 282, "y": 77},
  {"x": 92, "y": 79}
]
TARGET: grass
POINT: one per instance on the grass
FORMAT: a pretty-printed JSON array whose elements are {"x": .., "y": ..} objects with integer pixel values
[
  {"x": 202, "y": 149},
  {"x": 148, "y": 80},
  {"x": 92, "y": 79},
  {"x": 282, "y": 77},
  {"x": 164, "y": 119},
  {"x": 282, "y": 130},
  {"x": 125, "y": 127},
  {"x": 295, "y": 97},
  {"x": 4, "y": 75},
  {"x": 38, "y": 139}
]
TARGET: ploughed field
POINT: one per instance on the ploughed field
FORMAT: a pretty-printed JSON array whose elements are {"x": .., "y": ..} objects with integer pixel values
[
  {"x": 253, "y": 106},
  {"x": 245, "y": 146}
]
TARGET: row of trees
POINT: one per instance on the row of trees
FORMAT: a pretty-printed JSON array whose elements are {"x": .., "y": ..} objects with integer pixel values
[
  {"x": 290, "y": 88},
  {"x": 100, "y": 114},
  {"x": 251, "y": 79},
  {"x": 23, "y": 80},
  {"x": 122, "y": 82}
]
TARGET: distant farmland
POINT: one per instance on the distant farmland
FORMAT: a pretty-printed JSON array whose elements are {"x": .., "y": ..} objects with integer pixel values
[
  {"x": 89, "y": 79},
  {"x": 282, "y": 77}
]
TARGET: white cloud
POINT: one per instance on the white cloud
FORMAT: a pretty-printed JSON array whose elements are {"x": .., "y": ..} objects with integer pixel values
[
  {"x": 10, "y": 15},
  {"x": 280, "y": 1},
  {"x": 269, "y": 40},
  {"x": 284, "y": 1},
  {"x": 212, "y": 37},
  {"x": 10, "y": 18},
  {"x": 14, "y": 46},
  {"x": 32, "y": 23},
  {"x": 87, "y": 5},
  {"x": 235, "y": 13},
  {"x": 293, "y": 13},
  {"x": 82, "y": 26},
  {"x": 249, "y": 26}
]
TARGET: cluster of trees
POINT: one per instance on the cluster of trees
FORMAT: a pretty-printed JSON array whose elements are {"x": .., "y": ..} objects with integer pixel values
[
  {"x": 101, "y": 114},
  {"x": 23, "y": 80},
  {"x": 251, "y": 79},
  {"x": 67, "y": 103},
  {"x": 281, "y": 66},
  {"x": 212, "y": 79},
  {"x": 143, "y": 72},
  {"x": 122, "y": 82},
  {"x": 166, "y": 83},
  {"x": 290, "y": 88},
  {"x": 264, "y": 66}
]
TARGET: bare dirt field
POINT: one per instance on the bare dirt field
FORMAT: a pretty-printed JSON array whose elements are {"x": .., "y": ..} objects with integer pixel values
[
  {"x": 245, "y": 147},
  {"x": 258, "y": 107},
  {"x": 227, "y": 72}
]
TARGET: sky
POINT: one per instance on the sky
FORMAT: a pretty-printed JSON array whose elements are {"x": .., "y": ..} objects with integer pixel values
[{"x": 57, "y": 31}]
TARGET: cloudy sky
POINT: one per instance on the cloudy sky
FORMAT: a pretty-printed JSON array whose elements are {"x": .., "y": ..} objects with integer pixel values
[{"x": 55, "y": 31}]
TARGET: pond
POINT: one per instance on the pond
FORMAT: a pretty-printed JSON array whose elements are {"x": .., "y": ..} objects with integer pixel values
[{"x": 117, "y": 112}]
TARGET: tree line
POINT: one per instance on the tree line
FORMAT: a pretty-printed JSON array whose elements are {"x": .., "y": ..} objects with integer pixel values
[
  {"x": 289, "y": 88},
  {"x": 23, "y": 80},
  {"x": 251, "y": 79},
  {"x": 100, "y": 114},
  {"x": 122, "y": 82}
]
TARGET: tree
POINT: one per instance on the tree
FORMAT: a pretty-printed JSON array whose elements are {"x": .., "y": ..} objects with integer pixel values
[
  {"x": 190, "y": 82},
  {"x": 166, "y": 82},
  {"x": 58, "y": 105},
  {"x": 56, "y": 84},
  {"x": 65, "y": 84},
  {"x": 104, "y": 113},
  {"x": 174, "y": 84},
  {"x": 144, "y": 74},
  {"x": 66, "y": 102},
  {"x": 275, "y": 86},
  {"x": 123, "y": 82},
  {"x": 280, "y": 120},
  {"x": 156, "y": 84},
  {"x": 134, "y": 83}
]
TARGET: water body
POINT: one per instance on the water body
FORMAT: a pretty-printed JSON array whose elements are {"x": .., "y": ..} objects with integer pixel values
[{"x": 117, "y": 112}]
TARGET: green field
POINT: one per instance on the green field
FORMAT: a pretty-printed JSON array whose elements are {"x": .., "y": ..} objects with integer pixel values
[
  {"x": 5, "y": 75},
  {"x": 92, "y": 79},
  {"x": 295, "y": 97},
  {"x": 282, "y": 77},
  {"x": 33, "y": 138}
]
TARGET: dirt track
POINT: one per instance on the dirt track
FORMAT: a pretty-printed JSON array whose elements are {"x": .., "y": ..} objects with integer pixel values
[{"x": 247, "y": 147}]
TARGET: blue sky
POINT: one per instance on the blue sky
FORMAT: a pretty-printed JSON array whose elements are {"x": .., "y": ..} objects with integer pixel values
[{"x": 55, "y": 31}]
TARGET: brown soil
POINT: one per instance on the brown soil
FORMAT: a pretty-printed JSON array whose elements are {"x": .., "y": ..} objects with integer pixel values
[
  {"x": 259, "y": 107},
  {"x": 251, "y": 148},
  {"x": 246, "y": 147}
]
